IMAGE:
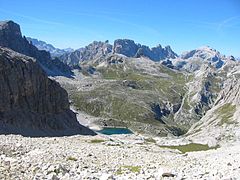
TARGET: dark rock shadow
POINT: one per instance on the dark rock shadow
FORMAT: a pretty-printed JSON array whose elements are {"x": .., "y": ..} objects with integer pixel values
[{"x": 36, "y": 125}]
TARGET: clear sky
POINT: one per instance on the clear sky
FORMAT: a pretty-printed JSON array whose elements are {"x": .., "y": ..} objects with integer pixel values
[{"x": 182, "y": 24}]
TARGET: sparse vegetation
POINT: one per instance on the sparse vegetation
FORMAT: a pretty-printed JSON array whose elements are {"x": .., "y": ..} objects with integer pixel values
[
  {"x": 190, "y": 147},
  {"x": 150, "y": 140},
  {"x": 70, "y": 158},
  {"x": 97, "y": 140},
  {"x": 121, "y": 104},
  {"x": 133, "y": 169},
  {"x": 225, "y": 113}
]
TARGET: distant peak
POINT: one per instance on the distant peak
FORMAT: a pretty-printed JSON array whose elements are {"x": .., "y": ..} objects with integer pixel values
[
  {"x": 206, "y": 48},
  {"x": 124, "y": 41}
]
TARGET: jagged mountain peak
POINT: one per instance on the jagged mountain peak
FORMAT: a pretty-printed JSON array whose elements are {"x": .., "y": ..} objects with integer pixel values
[
  {"x": 126, "y": 47},
  {"x": 129, "y": 48},
  {"x": 98, "y": 44}
]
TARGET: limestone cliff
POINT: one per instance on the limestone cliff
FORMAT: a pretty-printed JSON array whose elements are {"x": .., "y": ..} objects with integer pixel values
[
  {"x": 31, "y": 104},
  {"x": 11, "y": 37}
]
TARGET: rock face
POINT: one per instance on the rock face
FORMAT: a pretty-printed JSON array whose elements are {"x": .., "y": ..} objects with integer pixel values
[
  {"x": 11, "y": 37},
  {"x": 93, "y": 51},
  {"x": 124, "y": 47},
  {"x": 130, "y": 49},
  {"x": 202, "y": 91},
  {"x": 30, "y": 103},
  {"x": 41, "y": 45},
  {"x": 193, "y": 60},
  {"x": 221, "y": 123}
]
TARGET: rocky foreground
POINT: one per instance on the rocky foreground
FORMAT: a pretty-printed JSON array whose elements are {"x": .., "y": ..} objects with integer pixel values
[{"x": 111, "y": 157}]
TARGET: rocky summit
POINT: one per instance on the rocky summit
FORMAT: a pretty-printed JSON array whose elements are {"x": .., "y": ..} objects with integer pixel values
[
  {"x": 11, "y": 37},
  {"x": 92, "y": 51},
  {"x": 171, "y": 116},
  {"x": 192, "y": 60},
  {"x": 130, "y": 49}
]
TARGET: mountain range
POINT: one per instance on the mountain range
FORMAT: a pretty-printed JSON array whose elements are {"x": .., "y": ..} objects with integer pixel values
[
  {"x": 148, "y": 90},
  {"x": 41, "y": 45},
  {"x": 126, "y": 47}
]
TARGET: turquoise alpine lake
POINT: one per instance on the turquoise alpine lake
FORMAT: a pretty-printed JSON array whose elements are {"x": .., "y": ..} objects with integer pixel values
[{"x": 110, "y": 131}]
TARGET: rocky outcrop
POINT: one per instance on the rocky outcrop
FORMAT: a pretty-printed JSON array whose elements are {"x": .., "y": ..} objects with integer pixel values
[
  {"x": 130, "y": 49},
  {"x": 41, "y": 45},
  {"x": 93, "y": 51},
  {"x": 193, "y": 60},
  {"x": 126, "y": 47},
  {"x": 231, "y": 87},
  {"x": 202, "y": 90},
  {"x": 11, "y": 37},
  {"x": 30, "y": 103},
  {"x": 221, "y": 123}
]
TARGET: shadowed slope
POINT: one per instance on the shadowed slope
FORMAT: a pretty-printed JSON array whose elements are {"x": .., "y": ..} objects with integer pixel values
[{"x": 30, "y": 103}]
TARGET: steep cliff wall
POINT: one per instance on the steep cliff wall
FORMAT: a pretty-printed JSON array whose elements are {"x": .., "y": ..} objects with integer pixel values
[{"x": 31, "y": 103}]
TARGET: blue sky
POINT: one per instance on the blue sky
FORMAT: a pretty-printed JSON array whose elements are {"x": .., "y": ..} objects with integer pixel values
[{"x": 182, "y": 24}]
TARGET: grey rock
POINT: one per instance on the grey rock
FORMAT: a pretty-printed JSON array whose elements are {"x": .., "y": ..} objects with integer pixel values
[
  {"x": 11, "y": 37},
  {"x": 93, "y": 51},
  {"x": 130, "y": 49},
  {"x": 126, "y": 47},
  {"x": 168, "y": 63},
  {"x": 194, "y": 59},
  {"x": 31, "y": 104},
  {"x": 220, "y": 123},
  {"x": 168, "y": 175}
]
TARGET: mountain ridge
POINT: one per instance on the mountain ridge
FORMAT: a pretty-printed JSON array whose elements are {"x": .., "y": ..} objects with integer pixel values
[
  {"x": 42, "y": 45},
  {"x": 126, "y": 47},
  {"x": 185, "y": 61},
  {"x": 11, "y": 37}
]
